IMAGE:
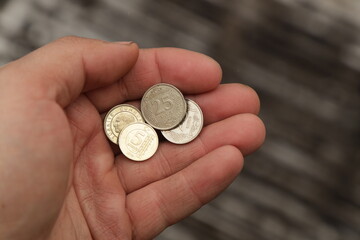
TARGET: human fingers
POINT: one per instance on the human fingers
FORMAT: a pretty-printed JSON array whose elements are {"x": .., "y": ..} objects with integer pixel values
[
  {"x": 63, "y": 69},
  {"x": 223, "y": 102},
  {"x": 227, "y": 100},
  {"x": 189, "y": 71},
  {"x": 244, "y": 131},
  {"x": 169, "y": 200}
]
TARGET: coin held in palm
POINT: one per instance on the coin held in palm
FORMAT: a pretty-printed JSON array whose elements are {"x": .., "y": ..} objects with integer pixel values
[
  {"x": 163, "y": 106},
  {"x": 138, "y": 141},
  {"x": 188, "y": 129},
  {"x": 118, "y": 117}
]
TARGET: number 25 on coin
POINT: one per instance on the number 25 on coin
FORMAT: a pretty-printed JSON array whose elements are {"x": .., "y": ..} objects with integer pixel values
[{"x": 163, "y": 104}]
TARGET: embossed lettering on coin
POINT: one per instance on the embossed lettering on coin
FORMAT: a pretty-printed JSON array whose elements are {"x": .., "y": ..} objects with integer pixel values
[
  {"x": 118, "y": 117},
  {"x": 138, "y": 141},
  {"x": 190, "y": 128},
  {"x": 163, "y": 106}
]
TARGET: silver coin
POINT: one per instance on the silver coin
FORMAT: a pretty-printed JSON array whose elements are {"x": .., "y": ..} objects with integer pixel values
[
  {"x": 190, "y": 128},
  {"x": 118, "y": 117},
  {"x": 138, "y": 141},
  {"x": 163, "y": 106}
]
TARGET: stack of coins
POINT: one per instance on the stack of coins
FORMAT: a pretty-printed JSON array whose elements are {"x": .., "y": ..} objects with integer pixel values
[{"x": 163, "y": 107}]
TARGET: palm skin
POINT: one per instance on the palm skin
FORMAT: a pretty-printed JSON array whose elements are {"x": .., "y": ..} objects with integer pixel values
[{"x": 60, "y": 178}]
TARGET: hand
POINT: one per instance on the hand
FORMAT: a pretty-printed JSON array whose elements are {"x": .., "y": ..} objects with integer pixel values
[{"x": 59, "y": 178}]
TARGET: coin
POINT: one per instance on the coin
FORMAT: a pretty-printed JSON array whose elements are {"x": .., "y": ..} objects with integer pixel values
[
  {"x": 163, "y": 106},
  {"x": 118, "y": 117},
  {"x": 138, "y": 141},
  {"x": 190, "y": 128}
]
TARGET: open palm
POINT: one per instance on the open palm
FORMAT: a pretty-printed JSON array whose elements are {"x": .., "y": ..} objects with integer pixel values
[{"x": 60, "y": 178}]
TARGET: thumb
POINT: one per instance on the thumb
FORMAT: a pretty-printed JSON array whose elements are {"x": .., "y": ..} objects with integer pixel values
[{"x": 65, "y": 68}]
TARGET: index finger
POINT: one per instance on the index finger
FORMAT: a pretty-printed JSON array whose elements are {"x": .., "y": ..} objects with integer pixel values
[
  {"x": 191, "y": 72},
  {"x": 65, "y": 68}
]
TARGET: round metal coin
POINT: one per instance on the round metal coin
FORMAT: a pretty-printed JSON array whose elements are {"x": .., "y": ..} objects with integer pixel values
[
  {"x": 118, "y": 117},
  {"x": 138, "y": 141},
  {"x": 190, "y": 128},
  {"x": 163, "y": 106}
]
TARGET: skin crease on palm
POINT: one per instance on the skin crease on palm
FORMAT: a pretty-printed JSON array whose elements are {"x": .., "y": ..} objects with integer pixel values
[{"x": 60, "y": 178}]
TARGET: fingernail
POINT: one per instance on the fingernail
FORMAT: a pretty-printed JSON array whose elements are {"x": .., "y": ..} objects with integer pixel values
[{"x": 125, "y": 43}]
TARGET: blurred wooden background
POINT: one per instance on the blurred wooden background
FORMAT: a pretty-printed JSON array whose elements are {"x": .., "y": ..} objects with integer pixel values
[{"x": 302, "y": 57}]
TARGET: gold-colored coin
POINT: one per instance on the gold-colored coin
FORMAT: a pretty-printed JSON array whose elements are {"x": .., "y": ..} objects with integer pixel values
[
  {"x": 163, "y": 106},
  {"x": 119, "y": 117},
  {"x": 190, "y": 128},
  {"x": 138, "y": 141}
]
